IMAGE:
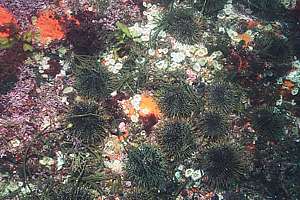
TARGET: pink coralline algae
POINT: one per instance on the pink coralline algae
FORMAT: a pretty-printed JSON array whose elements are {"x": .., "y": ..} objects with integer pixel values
[
  {"x": 28, "y": 109},
  {"x": 121, "y": 10},
  {"x": 17, "y": 113}
]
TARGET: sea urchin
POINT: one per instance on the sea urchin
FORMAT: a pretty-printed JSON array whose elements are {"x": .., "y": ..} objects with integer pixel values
[
  {"x": 177, "y": 139},
  {"x": 183, "y": 26},
  {"x": 92, "y": 79},
  {"x": 209, "y": 7},
  {"x": 213, "y": 124},
  {"x": 146, "y": 167},
  {"x": 223, "y": 166},
  {"x": 272, "y": 47},
  {"x": 268, "y": 123},
  {"x": 223, "y": 97},
  {"x": 70, "y": 192},
  {"x": 88, "y": 122},
  {"x": 177, "y": 100}
]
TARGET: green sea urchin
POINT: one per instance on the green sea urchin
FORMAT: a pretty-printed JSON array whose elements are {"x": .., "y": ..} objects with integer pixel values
[
  {"x": 268, "y": 123},
  {"x": 177, "y": 100},
  {"x": 233, "y": 195},
  {"x": 88, "y": 122},
  {"x": 223, "y": 97},
  {"x": 138, "y": 195},
  {"x": 213, "y": 125},
  {"x": 177, "y": 139},
  {"x": 92, "y": 79},
  {"x": 271, "y": 47},
  {"x": 223, "y": 166},
  {"x": 183, "y": 26},
  {"x": 146, "y": 167}
]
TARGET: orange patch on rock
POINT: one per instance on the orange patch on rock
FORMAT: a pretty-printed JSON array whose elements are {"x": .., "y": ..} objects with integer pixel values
[
  {"x": 246, "y": 38},
  {"x": 6, "y": 18},
  {"x": 286, "y": 88},
  {"x": 289, "y": 85},
  {"x": 149, "y": 106},
  {"x": 49, "y": 28}
]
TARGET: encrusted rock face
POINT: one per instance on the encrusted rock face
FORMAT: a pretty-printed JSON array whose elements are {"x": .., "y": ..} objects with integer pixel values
[{"x": 149, "y": 99}]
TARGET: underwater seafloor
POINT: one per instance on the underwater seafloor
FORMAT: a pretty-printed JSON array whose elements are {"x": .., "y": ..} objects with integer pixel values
[{"x": 149, "y": 99}]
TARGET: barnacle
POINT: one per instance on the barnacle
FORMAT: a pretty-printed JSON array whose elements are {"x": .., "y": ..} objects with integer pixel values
[
  {"x": 146, "y": 167},
  {"x": 223, "y": 97},
  {"x": 213, "y": 124},
  {"x": 177, "y": 139},
  {"x": 268, "y": 123},
  {"x": 178, "y": 100},
  {"x": 89, "y": 122},
  {"x": 223, "y": 166}
]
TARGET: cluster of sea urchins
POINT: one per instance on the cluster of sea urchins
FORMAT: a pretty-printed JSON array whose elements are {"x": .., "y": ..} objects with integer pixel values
[{"x": 213, "y": 125}]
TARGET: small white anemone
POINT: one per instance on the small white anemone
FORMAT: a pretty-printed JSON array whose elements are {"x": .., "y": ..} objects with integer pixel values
[
  {"x": 189, "y": 172},
  {"x": 196, "y": 175},
  {"x": 201, "y": 52},
  {"x": 177, "y": 57}
]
